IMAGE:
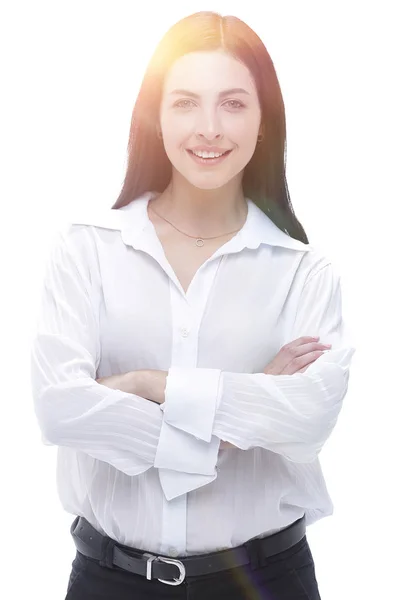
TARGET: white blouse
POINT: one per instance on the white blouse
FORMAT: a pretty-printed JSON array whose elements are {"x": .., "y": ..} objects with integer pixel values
[{"x": 153, "y": 477}]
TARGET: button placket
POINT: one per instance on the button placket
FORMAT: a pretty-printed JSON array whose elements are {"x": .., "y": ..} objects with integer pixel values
[{"x": 187, "y": 313}]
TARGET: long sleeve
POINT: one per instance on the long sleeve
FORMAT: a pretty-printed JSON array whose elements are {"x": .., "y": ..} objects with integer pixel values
[
  {"x": 292, "y": 415},
  {"x": 72, "y": 408}
]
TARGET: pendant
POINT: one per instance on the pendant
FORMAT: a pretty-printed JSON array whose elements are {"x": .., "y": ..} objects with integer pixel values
[{"x": 200, "y": 242}]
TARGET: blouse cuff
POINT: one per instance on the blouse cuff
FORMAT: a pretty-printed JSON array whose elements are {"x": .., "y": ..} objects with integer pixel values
[
  {"x": 191, "y": 398},
  {"x": 179, "y": 451},
  {"x": 176, "y": 484}
]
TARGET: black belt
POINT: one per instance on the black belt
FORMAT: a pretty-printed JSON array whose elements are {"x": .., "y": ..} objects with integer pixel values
[{"x": 91, "y": 543}]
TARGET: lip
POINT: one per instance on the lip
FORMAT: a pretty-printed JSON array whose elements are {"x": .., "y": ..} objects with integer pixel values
[
  {"x": 209, "y": 162},
  {"x": 209, "y": 149}
]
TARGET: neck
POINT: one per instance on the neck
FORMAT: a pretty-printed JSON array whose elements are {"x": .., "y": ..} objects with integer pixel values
[{"x": 203, "y": 212}]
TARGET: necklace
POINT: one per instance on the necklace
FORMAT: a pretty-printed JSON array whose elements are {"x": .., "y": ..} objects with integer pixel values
[{"x": 200, "y": 241}]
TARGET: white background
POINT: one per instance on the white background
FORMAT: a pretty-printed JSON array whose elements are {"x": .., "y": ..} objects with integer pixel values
[{"x": 71, "y": 70}]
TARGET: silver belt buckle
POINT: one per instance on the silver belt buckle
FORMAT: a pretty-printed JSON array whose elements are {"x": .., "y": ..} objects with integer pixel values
[{"x": 170, "y": 561}]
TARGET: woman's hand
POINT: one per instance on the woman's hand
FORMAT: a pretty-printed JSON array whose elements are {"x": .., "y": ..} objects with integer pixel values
[
  {"x": 125, "y": 382},
  {"x": 148, "y": 384},
  {"x": 296, "y": 356},
  {"x": 151, "y": 384}
]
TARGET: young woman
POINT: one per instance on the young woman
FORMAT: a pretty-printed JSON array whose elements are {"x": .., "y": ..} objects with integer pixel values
[{"x": 191, "y": 359}]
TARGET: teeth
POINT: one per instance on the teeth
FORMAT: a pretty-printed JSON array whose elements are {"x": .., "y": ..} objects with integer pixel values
[{"x": 203, "y": 154}]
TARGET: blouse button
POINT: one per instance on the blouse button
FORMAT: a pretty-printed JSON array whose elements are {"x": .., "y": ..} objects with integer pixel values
[
  {"x": 173, "y": 551},
  {"x": 184, "y": 332}
]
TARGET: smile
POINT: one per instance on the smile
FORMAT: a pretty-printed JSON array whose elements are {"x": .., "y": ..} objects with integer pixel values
[{"x": 208, "y": 158}]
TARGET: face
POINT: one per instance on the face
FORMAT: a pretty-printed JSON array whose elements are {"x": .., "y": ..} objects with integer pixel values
[{"x": 210, "y": 118}]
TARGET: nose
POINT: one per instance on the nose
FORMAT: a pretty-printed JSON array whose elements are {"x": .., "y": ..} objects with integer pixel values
[{"x": 208, "y": 125}]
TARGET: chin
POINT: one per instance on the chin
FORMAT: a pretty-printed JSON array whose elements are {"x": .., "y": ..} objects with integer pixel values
[
  {"x": 208, "y": 187},
  {"x": 208, "y": 183}
]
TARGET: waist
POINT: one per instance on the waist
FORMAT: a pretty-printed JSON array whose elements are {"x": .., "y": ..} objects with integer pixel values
[
  {"x": 234, "y": 512},
  {"x": 173, "y": 571}
]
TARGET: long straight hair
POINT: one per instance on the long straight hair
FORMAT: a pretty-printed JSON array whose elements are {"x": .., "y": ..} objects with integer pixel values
[{"x": 264, "y": 177}]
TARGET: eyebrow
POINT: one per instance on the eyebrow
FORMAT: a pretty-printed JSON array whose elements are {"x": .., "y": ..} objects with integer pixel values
[{"x": 222, "y": 94}]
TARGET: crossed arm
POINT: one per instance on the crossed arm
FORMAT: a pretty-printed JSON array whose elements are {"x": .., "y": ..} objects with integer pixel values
[
  {"x": 148, "y": 384},
  {"x": 190, "y": 410}
]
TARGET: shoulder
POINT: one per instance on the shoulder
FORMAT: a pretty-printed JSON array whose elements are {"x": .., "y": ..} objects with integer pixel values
[
  {"x": 78, "y": 236},
  {"x": 78, "y": 231},
  {"x": 318, "y": 267},
  {"x": 131, "y": 215},
  {"x": 315, "y": 259},
  {"x": 106, "y": 219}
]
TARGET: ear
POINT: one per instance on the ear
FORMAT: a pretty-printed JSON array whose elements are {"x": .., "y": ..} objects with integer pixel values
[{"x": 261, "y": 133}]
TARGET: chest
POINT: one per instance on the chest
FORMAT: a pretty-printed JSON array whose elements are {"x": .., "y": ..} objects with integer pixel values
[
  {"x": 184, "y": 256},
  {"x": 244, "y": 319}
]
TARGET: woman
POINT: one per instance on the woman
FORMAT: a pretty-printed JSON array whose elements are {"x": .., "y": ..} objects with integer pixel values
[{"x": 190, "y": 360}]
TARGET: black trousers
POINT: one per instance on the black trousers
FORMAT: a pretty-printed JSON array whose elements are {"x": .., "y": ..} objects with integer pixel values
[{"x": 289, "y": 575}]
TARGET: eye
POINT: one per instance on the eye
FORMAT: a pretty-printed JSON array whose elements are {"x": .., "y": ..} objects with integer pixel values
[
  {"x": 234, "y": 104},
  {"x": 185, "y": 104}
]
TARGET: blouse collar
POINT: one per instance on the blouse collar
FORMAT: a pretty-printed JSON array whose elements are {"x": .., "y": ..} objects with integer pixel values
[{"x": 133, "y": 222}]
